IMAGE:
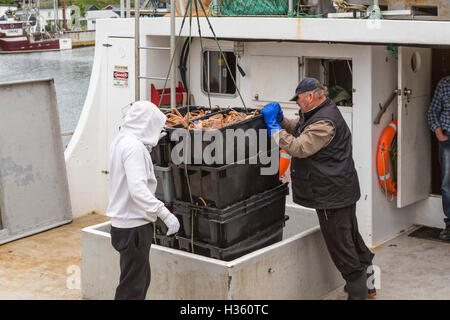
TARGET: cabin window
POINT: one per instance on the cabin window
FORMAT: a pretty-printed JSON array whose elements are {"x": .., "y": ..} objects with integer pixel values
[
  {"x": 216, "y": 77},
  {"x": 336, "y": 74}
]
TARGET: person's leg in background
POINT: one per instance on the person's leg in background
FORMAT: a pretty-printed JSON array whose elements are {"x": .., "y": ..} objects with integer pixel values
[{"x": 444, "y": 160}]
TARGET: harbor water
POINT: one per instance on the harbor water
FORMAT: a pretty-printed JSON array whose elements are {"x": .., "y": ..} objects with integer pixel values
[{"x": 71, "y": 70}]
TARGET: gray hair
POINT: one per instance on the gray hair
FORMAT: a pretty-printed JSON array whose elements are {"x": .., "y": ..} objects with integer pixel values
[{"x": 320, "y": 91}]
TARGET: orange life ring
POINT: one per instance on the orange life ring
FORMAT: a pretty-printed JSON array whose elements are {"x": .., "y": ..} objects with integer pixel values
[
  {"x": 285, "y": 160},
  {"x": 384, "y": 165}
]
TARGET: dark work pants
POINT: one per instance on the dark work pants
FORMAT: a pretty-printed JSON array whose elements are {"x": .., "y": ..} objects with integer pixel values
[
  {"x": 133, "y": 245},
  {"x": 345, "y": 245}
]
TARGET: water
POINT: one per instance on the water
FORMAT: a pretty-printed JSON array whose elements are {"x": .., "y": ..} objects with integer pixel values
[{"x": 71, "y": 70}]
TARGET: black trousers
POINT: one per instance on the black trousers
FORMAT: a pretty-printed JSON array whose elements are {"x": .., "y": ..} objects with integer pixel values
[
  {"x": 345, "y": 245},
  {"x": 133, "y": 245}
]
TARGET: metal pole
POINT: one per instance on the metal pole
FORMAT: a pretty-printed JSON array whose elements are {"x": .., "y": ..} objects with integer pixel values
[
  {"x": 127, "y": 11},
  {"x": 64, "y": 14},
  {"x": 137, "y": 14},
  {"x": 172, "y": 53},
  {"x": 291, "y": 5},
  {"x": 122, "y": 8}
]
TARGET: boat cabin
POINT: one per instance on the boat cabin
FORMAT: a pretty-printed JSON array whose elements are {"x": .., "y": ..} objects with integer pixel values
[{"x": 366, "y": 65}]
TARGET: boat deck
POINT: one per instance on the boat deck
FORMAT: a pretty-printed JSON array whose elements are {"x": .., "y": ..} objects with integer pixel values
[{"x": 48, "y": 265}]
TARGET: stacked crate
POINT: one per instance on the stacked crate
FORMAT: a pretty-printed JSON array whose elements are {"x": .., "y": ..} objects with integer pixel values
[
  {"x": 165, "y": 190},
  {"x": 226, "y": 211}
]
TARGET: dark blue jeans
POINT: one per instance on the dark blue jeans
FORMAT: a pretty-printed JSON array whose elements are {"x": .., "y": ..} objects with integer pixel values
[{"x": 444, "y": 160}]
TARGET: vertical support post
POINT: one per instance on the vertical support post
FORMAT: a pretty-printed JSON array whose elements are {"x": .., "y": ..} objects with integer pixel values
[
  {"x": 127, "y": 12},
  {"x": 55, "y": 9},
  {"x": 172, "y": 53},
  {"x": 137, "y": 83},
  {"x": 291, "y": 5},
  {"x": 122, "y": 8},
  {"x": 64, "y": 14}
]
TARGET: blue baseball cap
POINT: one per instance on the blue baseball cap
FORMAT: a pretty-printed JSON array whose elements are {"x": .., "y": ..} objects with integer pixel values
[{"x": 307, "y": 84}]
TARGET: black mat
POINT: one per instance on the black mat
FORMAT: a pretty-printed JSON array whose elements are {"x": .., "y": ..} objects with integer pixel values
[{"x": 428, "y": 233}]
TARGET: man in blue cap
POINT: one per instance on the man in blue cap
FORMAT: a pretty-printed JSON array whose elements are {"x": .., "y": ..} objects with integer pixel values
[{"x": 324, "y": 177}]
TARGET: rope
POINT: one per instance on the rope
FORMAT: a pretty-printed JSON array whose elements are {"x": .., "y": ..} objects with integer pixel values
[
  {"x": 174, "y": 53},
  {"x": 222, "y": 54},
  {"x": 201, "y": 45}
]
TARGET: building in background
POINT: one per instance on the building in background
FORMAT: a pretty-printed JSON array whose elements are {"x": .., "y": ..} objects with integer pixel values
[{"x": 93, "y": 13}]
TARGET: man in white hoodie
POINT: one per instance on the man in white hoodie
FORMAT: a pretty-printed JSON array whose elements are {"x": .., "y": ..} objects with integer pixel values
[{"x": 132, "y": 201}]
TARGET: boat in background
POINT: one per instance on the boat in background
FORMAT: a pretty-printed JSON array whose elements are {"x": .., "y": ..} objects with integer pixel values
[{"x": 27, "y": 34}]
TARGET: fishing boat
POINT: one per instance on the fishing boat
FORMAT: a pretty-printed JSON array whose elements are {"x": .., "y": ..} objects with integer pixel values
[
  {"x": 28, "y": 34},
  {"x": 380, "y": 63}
]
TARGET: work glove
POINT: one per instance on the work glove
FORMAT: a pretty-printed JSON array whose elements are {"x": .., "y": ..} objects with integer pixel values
[
  {"x": 162, "y": 135},
  {"x": 271, "y": 112},
  {"x": 280, "y": 116},
  {"x": 172, "y": 224}
]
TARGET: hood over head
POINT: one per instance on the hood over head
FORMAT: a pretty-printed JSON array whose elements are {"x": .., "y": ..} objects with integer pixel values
[{"x": 144, "y": 121}]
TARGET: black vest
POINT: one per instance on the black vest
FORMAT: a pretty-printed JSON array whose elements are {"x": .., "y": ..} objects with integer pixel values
[{"x": 328, "y": 178}]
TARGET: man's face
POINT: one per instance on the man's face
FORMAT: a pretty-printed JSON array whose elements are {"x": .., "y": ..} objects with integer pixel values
[{"x": 304, "y": 101}]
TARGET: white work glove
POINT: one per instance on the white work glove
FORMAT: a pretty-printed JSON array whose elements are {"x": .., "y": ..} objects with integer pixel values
[
  {"x": 162, "y": 135},
  {"x": 172, "y": 224}
]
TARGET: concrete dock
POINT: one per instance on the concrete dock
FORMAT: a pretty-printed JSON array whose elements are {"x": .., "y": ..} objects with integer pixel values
[{"x": 48, "y": 266}]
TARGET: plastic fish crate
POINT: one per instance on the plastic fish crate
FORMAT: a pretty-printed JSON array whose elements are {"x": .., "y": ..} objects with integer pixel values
[
  {"x": 250, "y": 149},
  {"x": 166, "y": 241},
  {"x": 165, "y": 189},
  {"x": 259, "y": 240},
  {"x": 225, "y": 227},
  {"x": 220, "y": 186},
  {"x": 160, "y": 154}
]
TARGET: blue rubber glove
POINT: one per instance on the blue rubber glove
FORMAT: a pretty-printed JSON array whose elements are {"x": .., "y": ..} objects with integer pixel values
[
  {"x": 280, "y": 116},
  {"x": 271, "y": 112}
]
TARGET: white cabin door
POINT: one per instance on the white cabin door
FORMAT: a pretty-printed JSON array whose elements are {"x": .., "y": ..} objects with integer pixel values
[
  {"x": 120, "y": 90},
  {"x": 413, "y": 175}
]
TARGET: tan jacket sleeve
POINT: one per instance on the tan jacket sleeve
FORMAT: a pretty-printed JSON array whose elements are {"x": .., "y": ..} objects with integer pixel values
[
  {"x": 315, "y": 136},
  {"x": 289, "y": 124}
]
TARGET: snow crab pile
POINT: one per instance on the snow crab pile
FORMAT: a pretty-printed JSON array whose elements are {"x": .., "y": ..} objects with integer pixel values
[{"x": 215, "y": 121}]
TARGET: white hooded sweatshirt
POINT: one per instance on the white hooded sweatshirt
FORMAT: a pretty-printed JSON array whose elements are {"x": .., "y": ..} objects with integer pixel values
[{"x": 132, "y": 181}]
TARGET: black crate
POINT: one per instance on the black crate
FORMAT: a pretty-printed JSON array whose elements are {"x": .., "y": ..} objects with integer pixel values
[
  {"x": 160, "y": 154},
  {"x": 166, "y": 241},
  {"x": 225, "y": 227},
  {"x": 165, "y": 189},
  {"x": 231, "y": 147},
  {"x": 220, "y": 186},
  {"x": 259, "y": 240}
]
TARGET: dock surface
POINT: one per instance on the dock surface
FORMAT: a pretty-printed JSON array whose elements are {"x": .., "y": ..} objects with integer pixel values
[{"x": 48, "y": 265}]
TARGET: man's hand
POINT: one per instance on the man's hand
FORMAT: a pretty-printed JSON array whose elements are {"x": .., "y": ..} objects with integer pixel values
[
  {"x": 440, "y": 135},
  {"x": 172, "y": 224}
]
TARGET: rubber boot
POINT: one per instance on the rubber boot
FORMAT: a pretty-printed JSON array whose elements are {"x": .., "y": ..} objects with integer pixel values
[
  {"x": 372, "y": 292},
  {"x": 357, "y": 288}
]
